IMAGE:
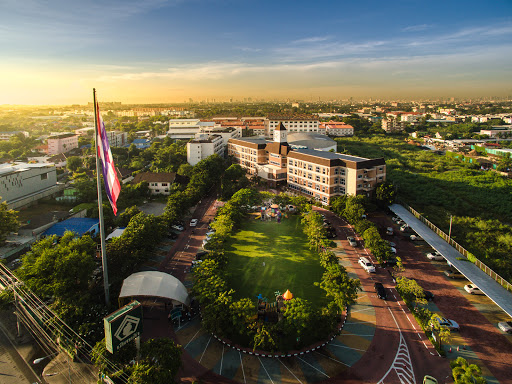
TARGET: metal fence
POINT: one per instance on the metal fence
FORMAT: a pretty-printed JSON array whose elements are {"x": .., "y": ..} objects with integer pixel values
[{"x": 504, "y": 283}]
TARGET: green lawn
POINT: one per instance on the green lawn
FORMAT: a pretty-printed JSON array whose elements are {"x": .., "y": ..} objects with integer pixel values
[{"x": 289, "y": 263}]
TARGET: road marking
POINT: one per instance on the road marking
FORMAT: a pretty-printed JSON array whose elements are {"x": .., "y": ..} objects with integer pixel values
[
  {"x": 323, "y": 373},
  {"x": 341, "y": 362},
  {"x": 359, "y": 322},
  {"x": 242, "y": 365},
  {"x": 207, "y": 344},
  {"x": 343, "y": 346},
  {"x": 402, "y": 363},
  {"x": 266, "y": 371},
  {"x": 289, "y": 371},
  {"x": 221, "y": 360},
  {"x": 193, "y": 337},
  {"x": 361, "y": 310}
]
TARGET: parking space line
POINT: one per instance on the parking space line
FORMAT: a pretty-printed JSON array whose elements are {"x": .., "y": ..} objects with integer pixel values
[
  {"x": 304, "y": 361},
  {"x": 266, "y": 371},
  {"x": 289, "y": 371}
]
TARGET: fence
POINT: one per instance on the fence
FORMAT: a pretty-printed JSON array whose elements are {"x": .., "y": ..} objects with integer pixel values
[{"x": 504, "y": 283}]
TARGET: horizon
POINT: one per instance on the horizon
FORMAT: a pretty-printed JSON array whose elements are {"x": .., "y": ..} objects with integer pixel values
[{"x": 170, "y": 51}]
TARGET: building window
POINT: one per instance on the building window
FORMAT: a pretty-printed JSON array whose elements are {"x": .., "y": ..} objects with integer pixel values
[
  {"x": 44, "y": 176},
  {"x": 318, "y": 169},
  {"x": 359, "y": 185},
  {"x": 359, "y": 176},
  {"x": 317, "y": 178},
  {"x": 164, "y": 184}
]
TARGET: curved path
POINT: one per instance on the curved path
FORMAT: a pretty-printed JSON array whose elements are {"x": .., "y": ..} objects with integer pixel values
[{"x": 380, "y": 341}]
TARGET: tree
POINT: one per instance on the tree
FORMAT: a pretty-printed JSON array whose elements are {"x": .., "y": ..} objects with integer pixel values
[
  {"x": 159, "y": 363},
  {"x": 243, "y": 312},
  {"x": 73, "y": 163},
  {"x": 124, "y": 218},
  {"x": 338, "y": 286},
  {"x": 299, "y": 316},
  {"x": 465, "y": 373},
  {"x": 443, "y": 333},
  {"x": 385, "y": 193},
  {"x": 8, "y": 221}
]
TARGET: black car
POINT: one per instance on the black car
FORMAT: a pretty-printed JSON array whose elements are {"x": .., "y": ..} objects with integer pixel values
[
  {"x": 391, "y": 262},
  {"x": 381, "y": 291},
  {"x": 428, "y": 295}
]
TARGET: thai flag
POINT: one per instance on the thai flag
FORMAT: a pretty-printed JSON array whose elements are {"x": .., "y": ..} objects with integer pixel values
[{"x": 112, "y": 185}]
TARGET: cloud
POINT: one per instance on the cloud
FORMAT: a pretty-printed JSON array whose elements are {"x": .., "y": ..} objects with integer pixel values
[
  {"x": 248, "y": 49},
  {"x": 309, "y": 40},
  {"x": 417, "y": 28}
]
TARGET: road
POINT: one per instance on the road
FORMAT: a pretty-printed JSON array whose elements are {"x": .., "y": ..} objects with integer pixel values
[
  {"x": 13, "y": 369},
  {"x": 400, "y": 353}
]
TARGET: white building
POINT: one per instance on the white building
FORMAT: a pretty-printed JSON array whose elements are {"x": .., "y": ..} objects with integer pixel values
[
  {"x": 23, "y": 183},
  {"x": 203, "y": 146},
  {"x": 336, "y": 128},
  {"x": 186, "y": 128},
  {"x": 497, "y": 131},
  {"x": 6, "y": 136},
  {"x": 159, "y": 183},
  {"x": 292, "y": 123},
  {"x": 225, "y": 133}
]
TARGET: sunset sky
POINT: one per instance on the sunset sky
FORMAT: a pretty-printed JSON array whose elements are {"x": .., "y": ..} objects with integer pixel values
[{"x": 144, "y": 51}]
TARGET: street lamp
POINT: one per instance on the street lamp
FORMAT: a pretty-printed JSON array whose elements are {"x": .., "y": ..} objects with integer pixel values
[{"x": 37, "y": 361}]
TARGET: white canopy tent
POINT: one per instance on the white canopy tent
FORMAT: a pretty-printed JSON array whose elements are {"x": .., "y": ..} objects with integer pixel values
[{"x": 155, "y": 284}]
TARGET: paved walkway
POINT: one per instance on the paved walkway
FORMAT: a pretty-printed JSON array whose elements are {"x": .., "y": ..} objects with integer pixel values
[{"x": 490, "y": 287}]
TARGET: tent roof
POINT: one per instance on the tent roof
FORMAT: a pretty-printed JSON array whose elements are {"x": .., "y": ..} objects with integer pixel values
[
  {"x": 117, "y": 233},
  {"x": 155, "y": 284},
  {"x": 288, "y": 295}
]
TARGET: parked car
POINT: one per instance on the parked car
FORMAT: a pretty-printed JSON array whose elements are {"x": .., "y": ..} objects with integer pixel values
[
  {"x": 473, "y": 289},
  {"x": 381, "y": 291},
  {"x": 415, "y": 238},
  {"x": 505, "y": 326},
  {"x": 391, "y": 262},
  {"x": 450, "y": 324},
  {"x": 429, "y": 296},
  {"x": 367, "y": 265},
  {"x": 389, "y": 231},
  {"x": 454, "y": 274},
  {"x": 427, "y": 379},
  {"x": 172, "y": 235},
  {"x": 194, "y": 222},
  {"x": 404, "y": 228},
  {"x": 178, "y": 227},
  {"x": 392, "y": 244},
  {"x": 395, "y": 219},
  {"x": 435, "y": 256},
  {"x": 352, "y": 241},
  {"x": 392, "y": 250},
  {"x": 331, "y": 233}
]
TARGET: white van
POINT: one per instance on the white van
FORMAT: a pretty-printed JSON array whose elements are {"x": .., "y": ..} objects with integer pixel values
[{"x": 367, "y": 265}]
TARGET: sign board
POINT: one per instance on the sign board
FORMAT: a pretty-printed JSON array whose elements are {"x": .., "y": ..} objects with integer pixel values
[
  {"x": 175, "y": 313},
  {"x": 122, "y": 326}
]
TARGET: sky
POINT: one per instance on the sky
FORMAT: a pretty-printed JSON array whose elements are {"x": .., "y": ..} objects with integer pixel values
[{"x": 161, "y": 51}]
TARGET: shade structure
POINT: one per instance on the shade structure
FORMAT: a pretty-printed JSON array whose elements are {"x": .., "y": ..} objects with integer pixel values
[
  {"x": 288, "y": 295},
  {"x": 275, "y": 206},
  {"x": 155, "y": 284}
]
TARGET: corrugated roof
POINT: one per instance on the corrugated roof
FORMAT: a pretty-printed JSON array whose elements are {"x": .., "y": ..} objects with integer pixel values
[{"x": 75, "y": 224}]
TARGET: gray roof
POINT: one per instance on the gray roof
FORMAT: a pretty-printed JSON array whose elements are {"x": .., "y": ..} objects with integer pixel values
[
  {"x": 310, "y": 140},
  {"x": 487, "y": 285},
  {"x": 329, "y": 155}
]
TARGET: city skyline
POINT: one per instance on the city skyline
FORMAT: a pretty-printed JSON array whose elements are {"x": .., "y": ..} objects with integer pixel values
[{"x": 158, "y": 51}]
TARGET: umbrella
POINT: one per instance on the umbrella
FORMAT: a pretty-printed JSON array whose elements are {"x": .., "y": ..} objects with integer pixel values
[{"x": 288, "y": 295}]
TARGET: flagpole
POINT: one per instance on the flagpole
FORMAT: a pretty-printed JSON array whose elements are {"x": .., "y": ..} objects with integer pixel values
[{"x": 100, "y": 204}]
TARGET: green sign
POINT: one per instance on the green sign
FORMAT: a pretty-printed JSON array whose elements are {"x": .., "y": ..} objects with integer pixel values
[{"x": 122, "y": 326}]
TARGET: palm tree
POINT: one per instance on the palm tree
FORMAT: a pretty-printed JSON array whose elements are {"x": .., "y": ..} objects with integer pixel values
[{"x": 465, "y": 373}]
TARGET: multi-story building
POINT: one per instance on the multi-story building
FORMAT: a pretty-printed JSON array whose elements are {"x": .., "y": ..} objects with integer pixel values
[
  {"x": 293, "y": 123},
  {"x": 225, "y": 132},
  {"x": 336, "y": 128},
  {"x": 203, "y": 146},
  {"x": 159, "y": 183},
  {"x": 325, "y": 175},
  {"x": 318, "y": 174},
  {"x": 117, "y": 138},
  {"x": 22, "y": 183},
  {"x": 392, "y": 122},
  {"x": 62, "y": 143},
  {"x": 186, "y": 128}
]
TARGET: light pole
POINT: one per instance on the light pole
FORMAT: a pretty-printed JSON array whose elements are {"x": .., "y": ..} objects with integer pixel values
[{"x": 450, "y": 231}]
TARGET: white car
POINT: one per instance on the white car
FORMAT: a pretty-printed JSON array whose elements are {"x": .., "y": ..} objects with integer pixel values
[
  {"x": 415, "y": 238},
  {"x": 435, "y": 256},
  {"x": 393, "y": 250},
  {"x": 367, "y": 265},
  {"x": 178, "y": 227},
  {"x": 352, "y": 241},
  {"x": 505, "y": 326},
  {"x": 404, "y": 228},
  {"x": 194, "y": 222},
  {"x": 389, "y": 231},
  {"x": 450, "y": 324},
  {"x": 473, "y": 289}
]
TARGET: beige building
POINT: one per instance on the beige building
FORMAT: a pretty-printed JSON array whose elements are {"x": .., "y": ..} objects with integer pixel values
[
  {"x": 292, "y": 123},
  {"x": 318, "y": 174},
  {"x": 204, "y": 146},
  {"x": 62, "y": 143},
  {"x": 159, "y": 183}
]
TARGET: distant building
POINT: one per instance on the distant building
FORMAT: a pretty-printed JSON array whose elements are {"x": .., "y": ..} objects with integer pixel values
[
  {"x": 61, "y": 143},
  {"x": 292, "y": 123},
  {"x": 393, "y": 122},
  {"x": 336, "y": 128},
  {"x": 159, "y": 183},
  {"x": 142, "y": 143},
  {"x": 187, "y": 128},
  {"x": 6, "y": 136},
  {"x": 497, "y": 131},
  {"x": 22, "y": 183},
  {"x": 117, "y": 138},
  {"x": 203, "y": 146}
]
